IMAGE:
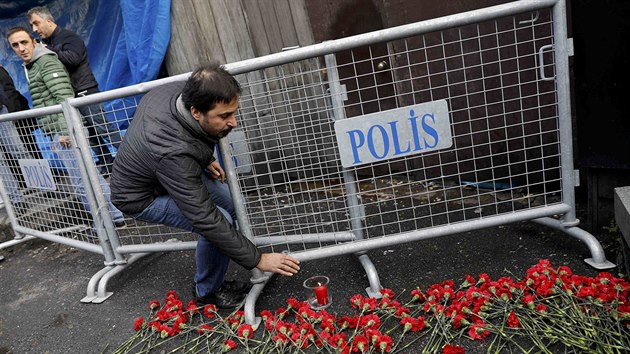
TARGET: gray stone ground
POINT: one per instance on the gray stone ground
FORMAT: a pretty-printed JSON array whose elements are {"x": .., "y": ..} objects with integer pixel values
[{"x": 41, "y": 283}]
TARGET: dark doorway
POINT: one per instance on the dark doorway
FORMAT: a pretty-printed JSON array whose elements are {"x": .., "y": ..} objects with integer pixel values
[{"x": 365, "y": 70}]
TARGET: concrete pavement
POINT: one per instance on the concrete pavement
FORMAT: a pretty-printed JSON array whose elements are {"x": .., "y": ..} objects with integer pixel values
[{"x": 42, "y": 282}]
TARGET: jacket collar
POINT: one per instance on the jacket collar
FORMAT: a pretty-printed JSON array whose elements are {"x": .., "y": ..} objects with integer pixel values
[
  {"x": 50, "y": 40},
  {"x": 39, "y": 51},
  {"x": 191, "y": 123}
]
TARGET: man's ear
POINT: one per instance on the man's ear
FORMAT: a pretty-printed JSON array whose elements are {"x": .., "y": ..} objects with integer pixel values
[{"x": 195, "y": 113}]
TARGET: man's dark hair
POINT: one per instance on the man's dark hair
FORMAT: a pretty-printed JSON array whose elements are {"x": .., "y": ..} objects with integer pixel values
[
  {"x": 208, "y": 85},
  {"x": 19, "y": 29}
]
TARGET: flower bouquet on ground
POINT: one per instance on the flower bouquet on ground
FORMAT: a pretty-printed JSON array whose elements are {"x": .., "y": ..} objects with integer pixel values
[{"x": 550, "y": 310}]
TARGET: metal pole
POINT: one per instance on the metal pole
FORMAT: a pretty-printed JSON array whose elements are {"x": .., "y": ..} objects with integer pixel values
[
  {"x": 94, "y": 194},
  {"x": 564, "y": 109},
  {"x": 355, "y": 208}
]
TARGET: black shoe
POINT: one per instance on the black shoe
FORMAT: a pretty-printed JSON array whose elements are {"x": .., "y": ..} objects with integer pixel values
[
  {"x": 229, "y": 285},
  {"x": 120, "y": 223},
  {"x": 237, "y": 286},
  {"x": 222, "y": 299}
]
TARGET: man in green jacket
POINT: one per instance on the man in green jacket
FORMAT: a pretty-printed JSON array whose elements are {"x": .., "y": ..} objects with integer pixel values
[{"x": 49, "y": 85}]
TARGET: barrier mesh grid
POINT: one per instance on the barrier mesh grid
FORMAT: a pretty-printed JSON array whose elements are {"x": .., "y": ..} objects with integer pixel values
[
  {"x": 41, "y": 183},
  {"x": 505, "y": 155}
]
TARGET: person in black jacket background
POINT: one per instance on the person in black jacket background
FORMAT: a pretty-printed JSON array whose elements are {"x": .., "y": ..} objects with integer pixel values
[
  {"x": 15, "y": 103},
  {"x": 11, "y": 149},
  {"x": 71, "y": 51},
  {"x": 159, "y": 177}
]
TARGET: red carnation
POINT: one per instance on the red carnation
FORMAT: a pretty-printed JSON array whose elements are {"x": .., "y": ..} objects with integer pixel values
[
  {"x": 209, "y": 310},
  {"x": 413, "y": 324},
  {"x": 356, "y": 300},
  {"x": 266, "y": 314},
  {"x": 192, "y": 307},
  {"x": 337, "y": 340},
  {"x": 388, "y": 293},
  {"x": 166, "y": 331},
  {"x": 417, "y": 294},
  {"x": 154, "y": 304},
  {"x": 138, "y": 324},
  {"x": 453, "y": 349},
  {"x": 245, "y": 331},
  {"x": 384, "y": 343},
  {"x": 204, "y": 328},
  {"x": 513, "y": 321},
  {"x": 478, "y": 331},
  {"x": 360, "y": 344},
  {"x": 229, "y": 345},
  {"x": 348, "y": 322}
]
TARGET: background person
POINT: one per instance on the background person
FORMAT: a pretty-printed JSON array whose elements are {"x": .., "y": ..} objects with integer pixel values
[
  {"x": 159, "y": 177},
  {"x": 71, "y": 51},
  {"x": 11, "y": 143},
  {"x": 15, "y": 103},
  {"x": 49, "y": 85}
]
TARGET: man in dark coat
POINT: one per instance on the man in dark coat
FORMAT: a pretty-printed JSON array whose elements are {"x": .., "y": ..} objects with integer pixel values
[
  {"x": 159, "y": 177},
  {"x": 11, "y": 149},
  {"x": 16, "y": 102},
  {"x": 71, "y": 51}
]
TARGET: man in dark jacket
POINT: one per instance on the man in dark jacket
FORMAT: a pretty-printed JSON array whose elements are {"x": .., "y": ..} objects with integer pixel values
[
  {"x": 159, "y": 177},
  {"x": 10, "y": 143},
  {"x": 16, "y": 102},
  {"x": 72, "y": 52}
]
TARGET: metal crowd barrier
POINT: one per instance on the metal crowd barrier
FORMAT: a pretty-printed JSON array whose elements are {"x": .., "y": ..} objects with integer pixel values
[{"x": 433, "y": 128}]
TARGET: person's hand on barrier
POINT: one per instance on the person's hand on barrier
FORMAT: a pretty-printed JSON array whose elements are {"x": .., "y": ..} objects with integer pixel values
[
  {"x": 65, "y": 141},
  {"x": 216, "y": 171},
  {"x": 280, "y": 263}
]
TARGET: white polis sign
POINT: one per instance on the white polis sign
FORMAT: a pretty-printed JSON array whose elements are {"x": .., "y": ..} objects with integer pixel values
[
  {"x": 37, "y": 174},
  {"x": 395, "y": 133}
]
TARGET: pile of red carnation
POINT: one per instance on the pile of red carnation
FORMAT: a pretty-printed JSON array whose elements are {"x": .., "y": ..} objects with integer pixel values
[{"x": 548, "y": 308}]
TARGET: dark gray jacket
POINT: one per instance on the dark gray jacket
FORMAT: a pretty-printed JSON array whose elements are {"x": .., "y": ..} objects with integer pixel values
[
  {"x": 16, "y": 102},
  {"x": 165, "y": 152},
  {"x": 71, "y": 50}
]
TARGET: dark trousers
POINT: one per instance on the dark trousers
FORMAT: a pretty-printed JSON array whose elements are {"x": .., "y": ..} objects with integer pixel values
[{"x": 100, "y": 130}]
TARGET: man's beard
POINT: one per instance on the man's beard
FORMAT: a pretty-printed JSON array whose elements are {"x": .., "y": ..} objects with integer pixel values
[{"x": 224, "y": 133}]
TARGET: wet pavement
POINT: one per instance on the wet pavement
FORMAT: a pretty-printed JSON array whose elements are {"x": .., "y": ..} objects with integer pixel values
[{"x": 42, "y": 283}]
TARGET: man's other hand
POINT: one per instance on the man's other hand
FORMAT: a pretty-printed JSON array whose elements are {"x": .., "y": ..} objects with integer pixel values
[
  {"x": 216, "y": 172},
  {"x": 280, "y": 263},
  {"x": 65, "y": 141}
]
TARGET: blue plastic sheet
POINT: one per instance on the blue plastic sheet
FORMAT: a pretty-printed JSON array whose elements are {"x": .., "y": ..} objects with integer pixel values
[
  {"x": 126, "y": 42},
  {"x": 126, "y": 39}
]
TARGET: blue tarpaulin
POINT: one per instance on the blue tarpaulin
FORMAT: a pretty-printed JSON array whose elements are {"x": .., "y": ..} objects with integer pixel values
[{"x": 126, "y": 40}]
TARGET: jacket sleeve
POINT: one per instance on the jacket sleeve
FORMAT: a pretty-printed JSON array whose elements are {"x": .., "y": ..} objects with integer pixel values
[
  {"x": 57, "y": 81},
  {"x": 71, "y": 52},
  {"x": 181, "y": 177}
]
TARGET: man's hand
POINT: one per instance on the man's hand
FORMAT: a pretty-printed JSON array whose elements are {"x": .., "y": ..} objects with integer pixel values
[
  {"x": 280, "y": 263},
  {"x": 65, "y": 141},
  {"x": 216, "y": 171}
]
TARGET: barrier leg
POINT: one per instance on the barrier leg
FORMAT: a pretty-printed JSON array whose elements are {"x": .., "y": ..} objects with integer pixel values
[
  {"x": 16, "y": 241},
  {"x": 374, "y": 290},
  {"x": 259, "y": 279},
  {"x": 102, "y": 294},
  {"x": 92, "y": 285},
  {"x": 598, "y": 257}
]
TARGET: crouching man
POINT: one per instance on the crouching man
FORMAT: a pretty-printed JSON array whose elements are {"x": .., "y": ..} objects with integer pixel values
[{"x": 159, "y": 177}]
